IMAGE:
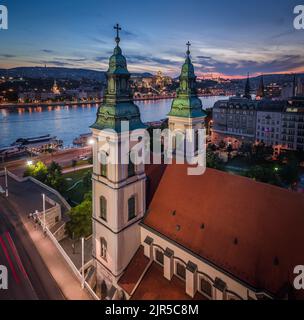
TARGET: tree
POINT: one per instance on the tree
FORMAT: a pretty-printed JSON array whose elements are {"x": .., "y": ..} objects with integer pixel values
[
  {"x": 263, "y": 174},
  {"x": 213, "y": 160},
  {"x": 38, "y": 171},
  {"x": 80, "y": 224},
  {"x": 55, "y": 178},
  {"x": 87, "y": 180}
]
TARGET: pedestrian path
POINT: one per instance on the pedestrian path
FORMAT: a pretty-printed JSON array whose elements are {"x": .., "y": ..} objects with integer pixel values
[{"x": 59, "y": 269}]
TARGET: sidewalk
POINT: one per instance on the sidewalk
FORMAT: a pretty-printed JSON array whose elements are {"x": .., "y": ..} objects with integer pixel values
[
  {"x": 59, "y": 269},
  {"x": 79, "y": 168}
]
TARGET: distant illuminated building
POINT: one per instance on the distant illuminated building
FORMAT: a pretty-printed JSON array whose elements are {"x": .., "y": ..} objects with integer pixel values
[
  {"x": 261, "y": 89},
  {"x": 273, "y": 91},
  {"x": 55, "y": 88}
]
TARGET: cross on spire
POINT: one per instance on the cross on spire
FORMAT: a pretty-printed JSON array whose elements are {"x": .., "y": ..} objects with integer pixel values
[
  {"x": 188, "y": 44},
  {"x": 117, "y": 28}
]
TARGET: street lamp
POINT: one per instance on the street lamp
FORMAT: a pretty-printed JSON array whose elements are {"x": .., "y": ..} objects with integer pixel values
[
  {"x": 82, "y": 262},
  {"x": 29, "y": 163},
  {"x": 91, "y": 142}
]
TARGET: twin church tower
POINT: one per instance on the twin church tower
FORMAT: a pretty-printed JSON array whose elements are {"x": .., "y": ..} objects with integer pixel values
[{"x": 119, "y": 190}]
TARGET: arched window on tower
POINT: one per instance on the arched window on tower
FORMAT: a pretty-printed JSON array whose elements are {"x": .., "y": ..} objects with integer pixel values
[
  {"x": 132, "y": 208},
  {"x": 103, "y": 165},
  {"x": 103, "y": 208},
  {"x": 196, "y": 145},
  {"x": 103, "y": 248},
  {"x": 131, "y": 167}
]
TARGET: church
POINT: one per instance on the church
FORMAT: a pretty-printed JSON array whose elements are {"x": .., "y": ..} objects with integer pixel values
[{"x": 160, "y": 234}]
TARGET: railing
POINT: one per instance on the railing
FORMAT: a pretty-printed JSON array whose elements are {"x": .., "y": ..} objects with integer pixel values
[
  {"x": 55, "y": 192},
  {"x": 51, "y": 236},
  {"x": 69, "y": 262}
]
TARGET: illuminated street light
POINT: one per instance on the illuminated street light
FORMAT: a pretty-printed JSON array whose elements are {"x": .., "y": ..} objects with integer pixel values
[
  {"x": 91, "y": 142},
  {"x": 29, "y": 163}
]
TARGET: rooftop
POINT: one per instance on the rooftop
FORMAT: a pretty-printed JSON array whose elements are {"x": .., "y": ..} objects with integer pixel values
[
  {"x": 134, "y": 271},
  {"x": 155, "y": 287},
  {"x": 253, "y": 231}
]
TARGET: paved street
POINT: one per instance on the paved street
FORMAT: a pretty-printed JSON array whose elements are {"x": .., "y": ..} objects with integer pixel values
[
  {"x": 29, "y": 278},
  {"x": 63, "y": 157},
  {"x": 49, "y": 275}
]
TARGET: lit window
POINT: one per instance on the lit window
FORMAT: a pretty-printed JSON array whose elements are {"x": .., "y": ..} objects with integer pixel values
[{"x": 103, "y": 208}]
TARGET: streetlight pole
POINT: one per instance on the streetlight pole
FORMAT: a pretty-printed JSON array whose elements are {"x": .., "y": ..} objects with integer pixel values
[
  {"x": 6, "y": 183},
  {"x": 82, "y": 262},
  {"x": 44, "y": 222}
]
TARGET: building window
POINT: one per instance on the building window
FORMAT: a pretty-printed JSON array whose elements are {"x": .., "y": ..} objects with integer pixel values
[
  {"x": 131, "y": 168},
  {"x": 196, "y": 142},
  {"x": 206, "y": 288},
  {"x": 159, "y": 256},
  {"x": 103, "y": 248},
  {"x": 103, "y": 165},
  {"x": 132, "y": 208},
  {"x": 181, "y": 271},
  {"x": 103, "y": 208}
]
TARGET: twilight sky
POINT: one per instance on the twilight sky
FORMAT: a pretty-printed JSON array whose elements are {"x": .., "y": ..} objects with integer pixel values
[{"x": 228, "y": 38}]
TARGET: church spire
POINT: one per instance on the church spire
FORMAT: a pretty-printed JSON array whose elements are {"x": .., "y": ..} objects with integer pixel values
[
  {"x": 247, "y": 88},
  {"x": 118, "y": 102},
  {"x": 117, "y": 28},
  {"x": 187, "y": 104},
  {"x": 261, "y": 89}
]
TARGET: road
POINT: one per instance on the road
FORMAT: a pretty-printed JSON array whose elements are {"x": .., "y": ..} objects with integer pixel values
[
  {"x": 28, "y": 276},
  {"x": 62, "y": 157}
]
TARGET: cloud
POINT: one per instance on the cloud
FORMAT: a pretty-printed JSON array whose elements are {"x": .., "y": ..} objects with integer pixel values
[
  {"x": 149, "y": 60},
  {"x": 98, "y": 40},
  {"x": 128, "y": 34},
  {"x": 281, "y": 63},
  {"x": 57, "y": 63},
  {"x": 7, "y": 56},
  {"x": 101, "y": 59},
  {"x": 75, "y": 59},
  {"x": 47, "y": 51}
]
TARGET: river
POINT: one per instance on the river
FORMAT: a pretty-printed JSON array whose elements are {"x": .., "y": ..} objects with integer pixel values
[{"x": 69, "y": 122}]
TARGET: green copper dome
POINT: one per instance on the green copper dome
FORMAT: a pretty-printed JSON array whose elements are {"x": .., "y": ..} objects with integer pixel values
[
  {"x": 118, "y": 102},
  {"x": 187, "y": 104},
  {"x": 118, "y": 63},
  {"x": 188, "y": 69}
]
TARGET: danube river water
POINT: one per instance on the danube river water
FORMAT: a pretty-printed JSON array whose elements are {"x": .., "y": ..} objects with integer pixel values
[{"x": 66, "y": 123}]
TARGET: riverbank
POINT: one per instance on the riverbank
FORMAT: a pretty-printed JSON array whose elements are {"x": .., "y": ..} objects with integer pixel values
[
  {"x": 18, "y": 105},
  {"x": 70, "y": 103}
]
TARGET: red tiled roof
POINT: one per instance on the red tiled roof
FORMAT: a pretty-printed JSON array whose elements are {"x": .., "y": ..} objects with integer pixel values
[
  {"x": 155, "y": 287},
  {"x": 154, "y": 174},
  {"x": 134, "y": 271},
  {"x": 251, "y": 230}
]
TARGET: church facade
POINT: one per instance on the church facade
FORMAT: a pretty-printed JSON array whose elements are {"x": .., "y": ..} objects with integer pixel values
[{"x": 160, "y": 234}]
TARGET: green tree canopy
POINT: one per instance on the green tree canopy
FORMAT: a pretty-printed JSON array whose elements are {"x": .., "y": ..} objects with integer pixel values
[
  {"x": 80, "y": 224},
  {"x": 38, "y": 171}
]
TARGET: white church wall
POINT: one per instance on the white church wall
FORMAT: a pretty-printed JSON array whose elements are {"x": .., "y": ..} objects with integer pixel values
[{"x": 203, "y": 269}]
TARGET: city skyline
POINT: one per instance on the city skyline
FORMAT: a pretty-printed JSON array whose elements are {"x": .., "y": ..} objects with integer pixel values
[{"x": 256, "y": 39}]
